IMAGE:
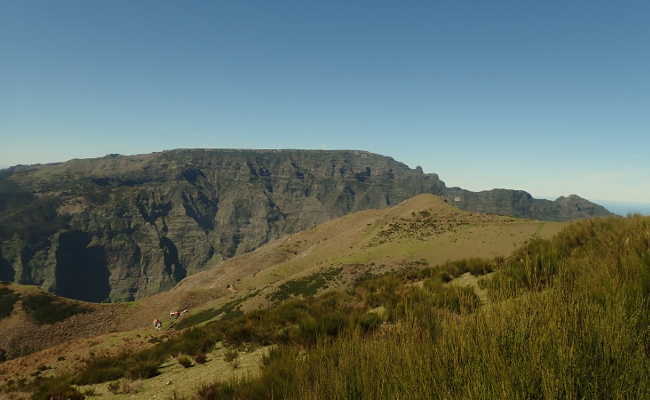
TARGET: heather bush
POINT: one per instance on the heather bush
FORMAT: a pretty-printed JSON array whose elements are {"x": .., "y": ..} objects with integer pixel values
[
  {"x": 47, "y": 309},
  {"x": 55, "y": 389},
  {"x": 201, "y": 358},
  {"x": 185, "y": 361}
]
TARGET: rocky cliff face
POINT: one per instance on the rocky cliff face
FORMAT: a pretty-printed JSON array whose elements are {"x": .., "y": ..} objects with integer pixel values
[
  {"x": 122, "y": 227},
  {"x": 518, "y": 203}
]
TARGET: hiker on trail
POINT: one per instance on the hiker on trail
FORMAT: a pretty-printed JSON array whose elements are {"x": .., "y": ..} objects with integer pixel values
[{"x": 157, "y": 324}]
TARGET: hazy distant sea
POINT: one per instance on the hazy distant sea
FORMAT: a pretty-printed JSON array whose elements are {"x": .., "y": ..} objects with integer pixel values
[{"x": 624, "y": 209}]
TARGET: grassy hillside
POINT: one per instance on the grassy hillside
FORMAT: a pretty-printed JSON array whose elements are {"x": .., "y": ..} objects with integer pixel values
[
  {"x": 343, "y": 255},
  {"x": 424, "y": 231},
  {"x": 568, "y": 318},
  {"x": 565, "y": 317}
]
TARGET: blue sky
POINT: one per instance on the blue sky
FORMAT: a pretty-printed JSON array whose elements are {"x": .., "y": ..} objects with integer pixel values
[{"x": 548, "y": 96}]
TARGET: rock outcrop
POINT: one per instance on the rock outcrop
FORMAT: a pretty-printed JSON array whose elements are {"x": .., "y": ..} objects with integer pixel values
[
  {"x": 122, "y": 227},
  {"x": 518, "y": 203}
]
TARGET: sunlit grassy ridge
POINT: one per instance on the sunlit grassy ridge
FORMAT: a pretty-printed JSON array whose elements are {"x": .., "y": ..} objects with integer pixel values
[{"x": 567, "y": 317}]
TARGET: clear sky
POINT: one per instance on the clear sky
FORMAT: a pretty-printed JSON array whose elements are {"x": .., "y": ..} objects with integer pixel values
[{"x": 549, "y": 96}]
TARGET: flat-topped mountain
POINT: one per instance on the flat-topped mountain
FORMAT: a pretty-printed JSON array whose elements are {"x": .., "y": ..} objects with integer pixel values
[{"x": 122, "y": 227}]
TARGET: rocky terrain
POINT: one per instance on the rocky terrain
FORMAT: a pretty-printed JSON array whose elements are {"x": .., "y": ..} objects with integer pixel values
[{"x": 119, "y": 228}]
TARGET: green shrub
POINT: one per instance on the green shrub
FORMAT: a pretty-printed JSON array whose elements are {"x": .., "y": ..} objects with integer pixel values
[
  {"x": 197, "y": 318},
  {"x": 381, "y": 290},
  {"x": 114, "y": 387},
  {"x": 201, "y": 358},
  {"x": 185, "y": 361},
  {"x": 122, "y": 387},
  {"x": 455, "y": 299},
  {"x": 228, "y": 311},
  {"x": 370, "y": 321},
  {"x": 296, "y": 320},
  {"x": 307, "y": 286},
  {"x": 143, "y": 369},
  {"x": 216, "y": 391},
  {"x": 102, "y": 369},
  {"x": 194, "y": 341},
  {"x": 56, "y": 389},
  {"x": 230, "y": 355},
  {"x": 7, "y": 300},
  {"x": 145, "y": 364},
  {"x": 47, "y": 309}
]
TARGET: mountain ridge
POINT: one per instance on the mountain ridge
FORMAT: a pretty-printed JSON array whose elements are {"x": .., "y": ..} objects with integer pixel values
[
  {"x": 144, "y": 222},
  {"x": 422, "y": 230}
]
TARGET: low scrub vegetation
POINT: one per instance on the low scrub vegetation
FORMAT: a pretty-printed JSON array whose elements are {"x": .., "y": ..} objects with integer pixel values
[
  {"x": 55, "y": 389},
  {"x": 7, "y": 300},
  {"x": 302, "y": 322},
  {"x": 230, "y": 355},
  {"x": 307, "y": 286},
  {"x": 123, "y": 387},
  {"x": 199, "y": 317},
  {"x": 227, "y": 311},
  {"x": 47, "y": 309},
  {"x": 185, "y": 361}
]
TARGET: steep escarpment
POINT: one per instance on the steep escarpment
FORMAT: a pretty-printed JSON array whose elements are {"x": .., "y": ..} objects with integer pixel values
[
  {"x": 138, "y": 225},
  {"x": 122, "y": 227},
  {"x": 518, "y": 203}
]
